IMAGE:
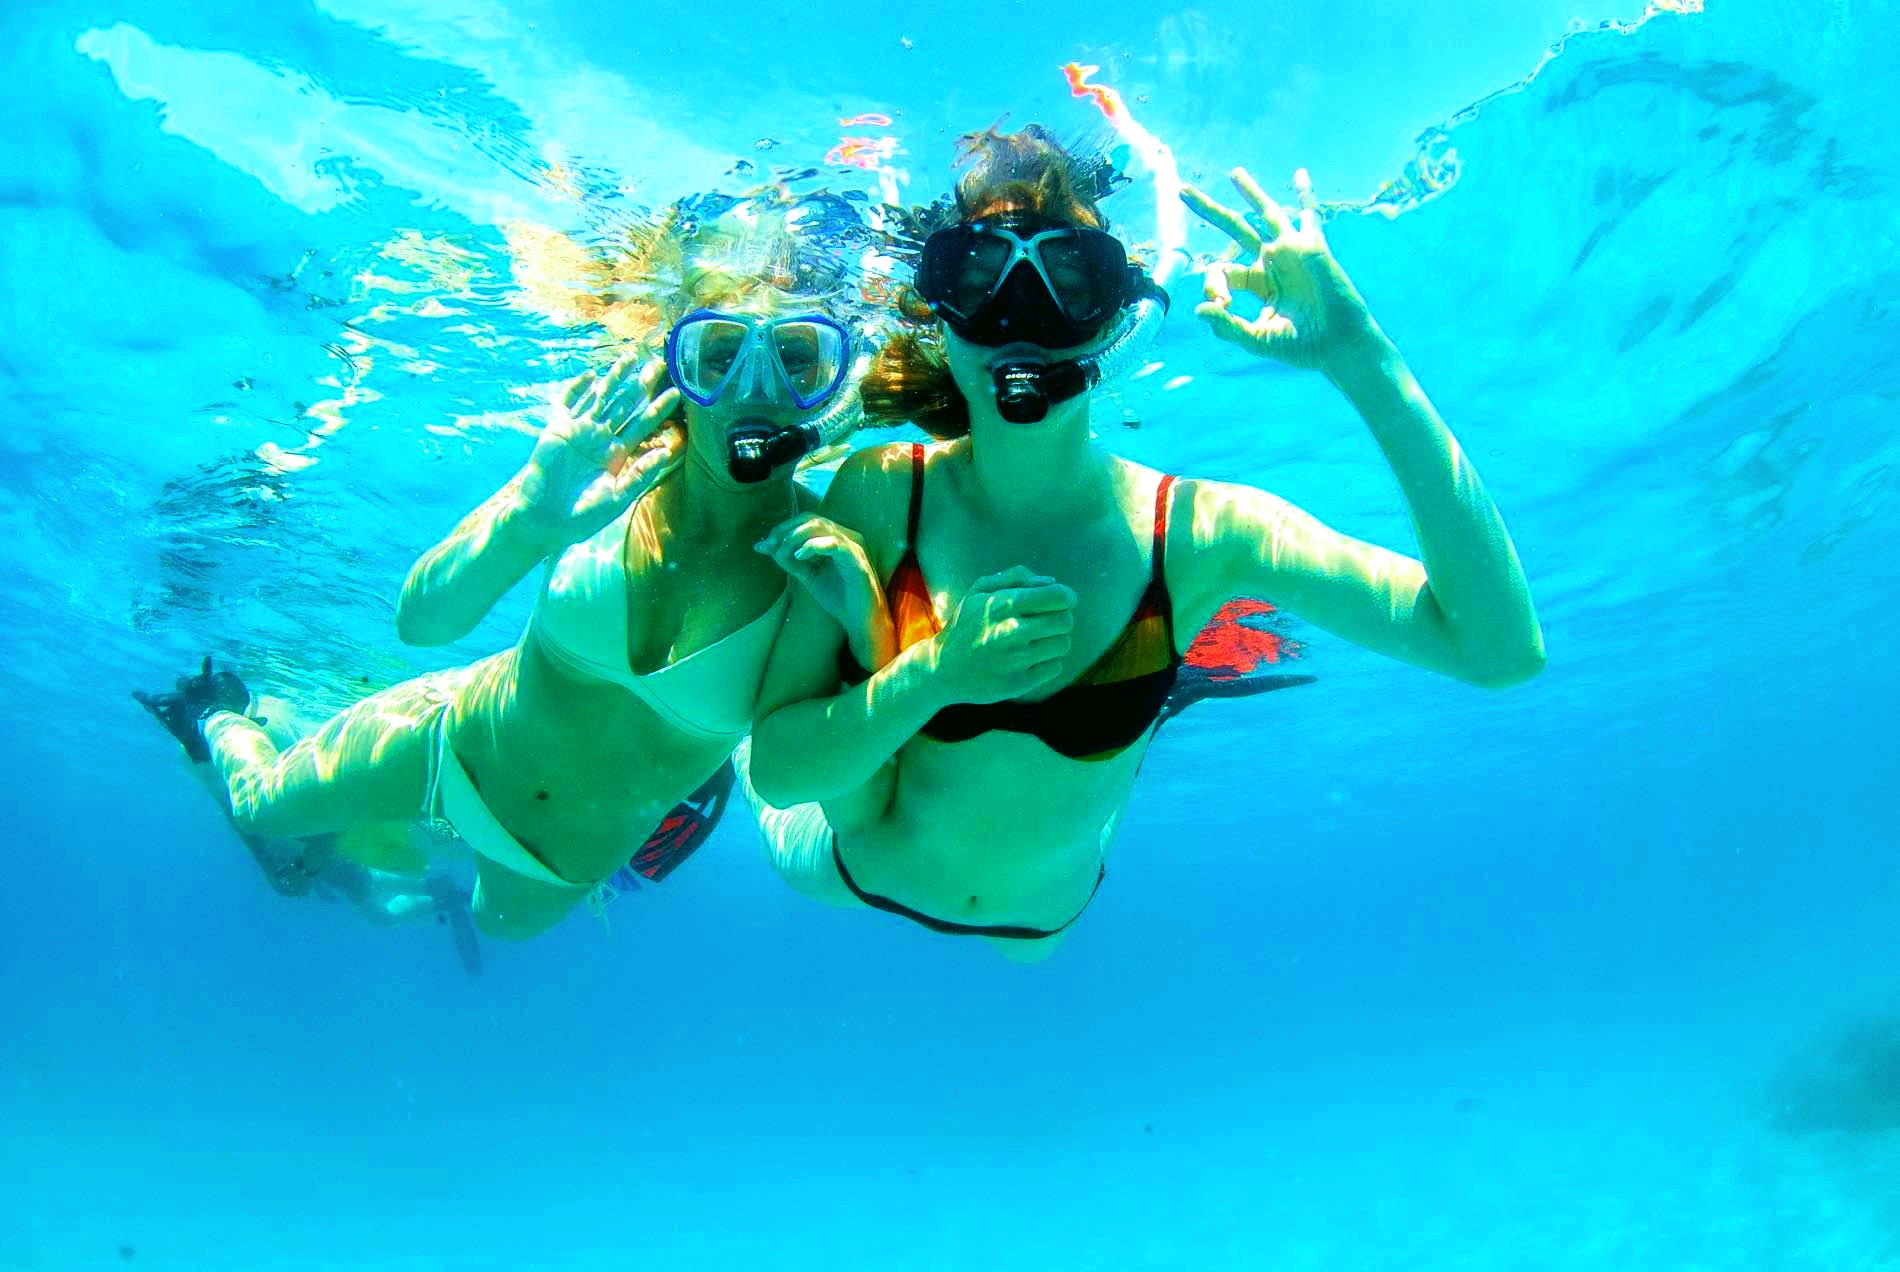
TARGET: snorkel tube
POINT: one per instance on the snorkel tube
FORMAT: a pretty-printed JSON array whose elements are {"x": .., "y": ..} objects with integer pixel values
[
  {"x": 1027, "y": 387},
  {"x": 754, "y": 451}
]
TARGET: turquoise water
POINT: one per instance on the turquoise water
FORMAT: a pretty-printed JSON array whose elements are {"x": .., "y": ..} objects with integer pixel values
[{"x": 1389, "y": 973}]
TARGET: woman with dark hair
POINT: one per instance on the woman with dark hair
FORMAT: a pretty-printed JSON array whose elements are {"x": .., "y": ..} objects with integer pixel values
[{"x": 1042, "y": 590}]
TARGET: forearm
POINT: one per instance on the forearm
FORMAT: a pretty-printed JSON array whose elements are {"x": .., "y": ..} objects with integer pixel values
[
  {"x": 458, "y": 581},
  {"x": 826, "y": 748},
  {"x": 1471, "y": 567},
  {"x": 875, "y": 644}
]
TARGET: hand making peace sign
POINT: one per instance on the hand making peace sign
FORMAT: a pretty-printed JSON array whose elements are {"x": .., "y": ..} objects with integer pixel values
[{"x": 1311, "y": 312}]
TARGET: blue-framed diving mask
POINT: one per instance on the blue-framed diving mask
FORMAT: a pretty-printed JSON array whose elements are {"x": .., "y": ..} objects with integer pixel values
[{"x": 798, "y": 361}]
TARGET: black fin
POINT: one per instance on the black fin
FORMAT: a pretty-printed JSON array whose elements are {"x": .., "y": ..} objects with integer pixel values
[{"x": 182, "y": 711}]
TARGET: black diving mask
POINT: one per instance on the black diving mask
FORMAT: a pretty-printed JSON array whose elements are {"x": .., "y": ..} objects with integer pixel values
[{"x": 996, "y": 283}]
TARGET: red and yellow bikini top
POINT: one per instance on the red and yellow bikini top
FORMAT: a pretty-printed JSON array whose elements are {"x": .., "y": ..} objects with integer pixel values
[{"x": 1103, "y": 711}]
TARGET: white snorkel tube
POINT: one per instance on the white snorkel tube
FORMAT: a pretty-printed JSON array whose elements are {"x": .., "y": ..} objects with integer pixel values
[{"x": 1026, "y": 389}]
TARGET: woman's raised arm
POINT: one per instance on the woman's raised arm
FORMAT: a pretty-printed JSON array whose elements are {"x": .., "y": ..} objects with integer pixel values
[{"x": 608, "y": 441}]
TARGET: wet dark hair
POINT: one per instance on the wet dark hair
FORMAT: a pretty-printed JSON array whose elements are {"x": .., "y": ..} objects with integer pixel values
[{"x": 1028, "y": 171}]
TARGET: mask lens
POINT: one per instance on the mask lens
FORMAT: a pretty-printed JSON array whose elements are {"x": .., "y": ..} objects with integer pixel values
[
  {"x": 961, "y": 267},
  {"x": 708, "y": 350},
  {"x": 1082, "y": 274},
  {"x": 811, "y": 354},
  {"x": 976, "y": 270}
]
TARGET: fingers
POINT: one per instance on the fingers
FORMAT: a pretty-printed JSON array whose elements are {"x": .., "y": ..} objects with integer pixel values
[
  {"x": 638, "y": 415},
  {"x": 1309, "y": 202},
  {"x": 803, "y": 526},
  {"x": 1226, "y": 220},
  {"x": 1270, "y": 212},
  {"x": 769, "y": 542},
  {"x": 1051, "y": 649},
  {"x": 808, "y": 550},
  {"x": 785, "y": 555},
  {"x": 1031, "y": 664},
  {"x": 653, "y": 375},
  {"x": 643, "y": 472},
  {"x": 1044, "y": 598},
  {"x": 1036, "y": 675},
  {"x": 1019, "y": 642},
  {"x": 615, "y": 375},
  {"x": 1015, "y": 576},
  {"x": 1226, "y": 324},
  {"x": 1035, "y": 627},
  {"x": 1270, "y": 328},
  {"x": 822, "y": 545},
  {"x": 800, "y": 545},
  {"x": 1029, "y": 628},
  {"x": 1214, "y": 286},
  {"x": 631, "y": 380},
  {"x": 1218, "y": 283},
  {"x": 621, "y": 394},
  {"x": 628, "y": 390},
  {"x": 642, "y": 468},
  {"x": 577, "y": 388}
]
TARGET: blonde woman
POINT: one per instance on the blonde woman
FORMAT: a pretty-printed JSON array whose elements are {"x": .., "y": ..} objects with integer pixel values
[{"x": 639, "y": 670}]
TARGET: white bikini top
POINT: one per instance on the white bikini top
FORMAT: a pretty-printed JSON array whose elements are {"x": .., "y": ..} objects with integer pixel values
[{"x": 580, "y": 620}]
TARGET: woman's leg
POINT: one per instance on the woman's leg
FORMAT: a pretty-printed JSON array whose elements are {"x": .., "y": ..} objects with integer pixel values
[
  {"x": 369, "y": 763},
  {"x": 509, "y": 906},
  {"x": 798, "y": 840}
]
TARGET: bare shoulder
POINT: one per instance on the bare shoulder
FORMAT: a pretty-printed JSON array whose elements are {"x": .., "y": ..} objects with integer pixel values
[
  {"x": 870, "y": 493},
  {"x": 867, "y": 476},
  {"x": 1208, "y": 512},
  {"x": 1200, "y": 511}
]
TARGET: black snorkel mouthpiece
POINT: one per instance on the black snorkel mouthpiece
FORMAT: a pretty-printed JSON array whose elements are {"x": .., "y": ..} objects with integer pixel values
[
  {"x": 754, "y": 452},
  {"x": 1027, "y": 387}
]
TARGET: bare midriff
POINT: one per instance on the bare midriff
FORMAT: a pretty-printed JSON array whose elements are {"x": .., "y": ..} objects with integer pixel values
[{"x": 993, "y": 831}]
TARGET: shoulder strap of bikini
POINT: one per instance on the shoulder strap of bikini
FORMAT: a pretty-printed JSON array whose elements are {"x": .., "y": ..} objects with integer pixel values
[
  {"x": 916, "y": 494},
  {"x": 1158, "y": 584},
  {"x": 1161, "y": 523}
]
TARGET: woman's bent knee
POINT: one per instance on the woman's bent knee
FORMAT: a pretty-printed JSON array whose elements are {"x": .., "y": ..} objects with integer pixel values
[{"x": 254, "y": 812}]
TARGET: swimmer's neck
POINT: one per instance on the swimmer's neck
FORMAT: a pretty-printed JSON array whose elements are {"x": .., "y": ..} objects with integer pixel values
[
  {"x": 1041, "y": 472},
  {"x": 711, "y": 504}
]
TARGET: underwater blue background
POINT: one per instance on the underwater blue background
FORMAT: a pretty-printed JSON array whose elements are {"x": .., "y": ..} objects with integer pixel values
[{"x": 1388, "y": 973}]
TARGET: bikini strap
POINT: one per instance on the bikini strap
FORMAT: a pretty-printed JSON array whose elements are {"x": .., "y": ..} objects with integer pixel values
[
  {"x": 1158, "y": 584},
  {"x": 916, "y": 495}
]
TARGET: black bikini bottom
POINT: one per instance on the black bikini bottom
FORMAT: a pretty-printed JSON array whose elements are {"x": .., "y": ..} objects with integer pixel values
[{"x": 1008, "y": 931}]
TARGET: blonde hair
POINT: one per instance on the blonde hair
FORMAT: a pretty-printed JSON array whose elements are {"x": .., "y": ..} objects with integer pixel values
[{"x": 692, "y": 256}]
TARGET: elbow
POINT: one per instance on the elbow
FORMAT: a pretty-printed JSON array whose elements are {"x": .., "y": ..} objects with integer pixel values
[
  {"x": 1508, "y": 670},
  {"x": 412, "y": 630},
  {"x": 417, "y": 627},
  {"x": 767, "y": 773}
]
